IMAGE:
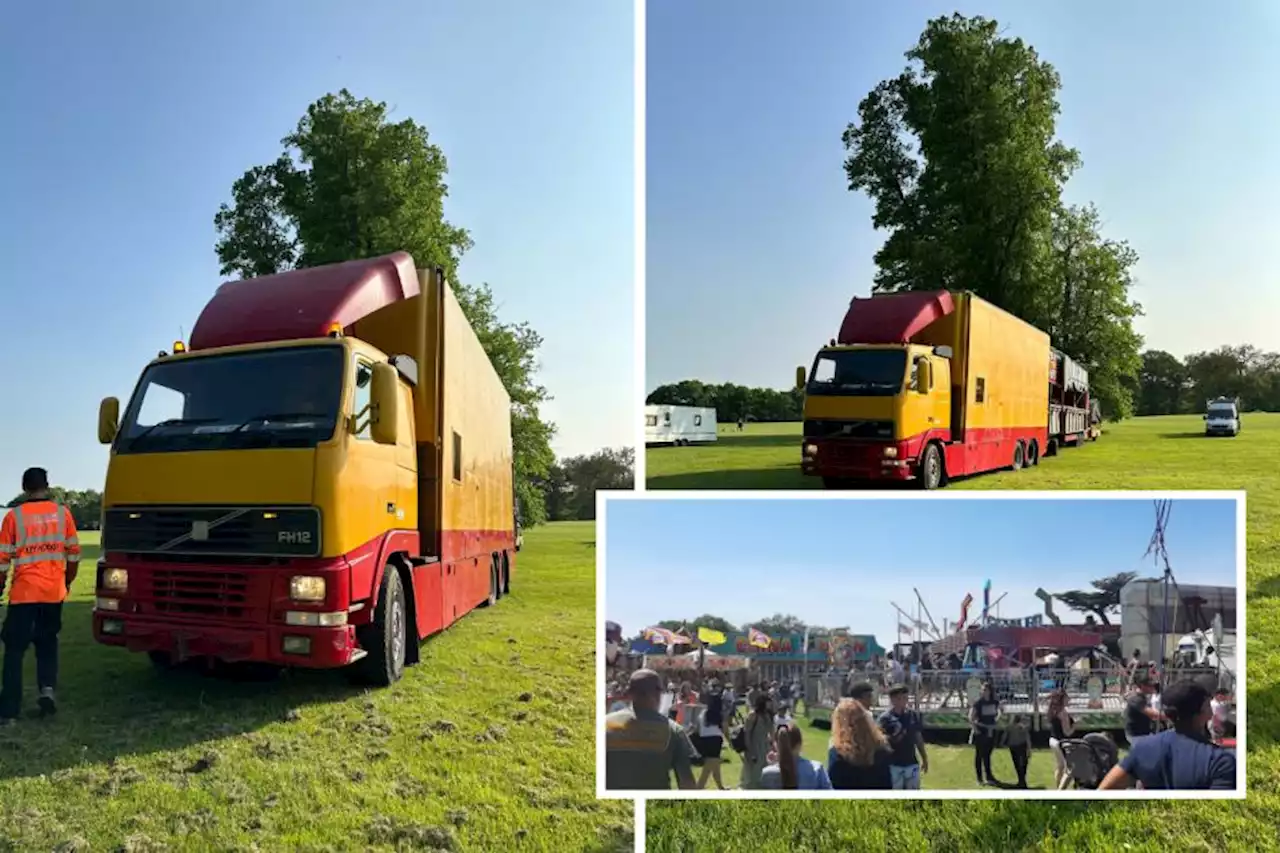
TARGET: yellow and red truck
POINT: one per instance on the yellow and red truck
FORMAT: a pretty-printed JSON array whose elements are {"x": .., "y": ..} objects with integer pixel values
[
  {"x": 925, "y": 386},
  {"x": 321, "y": 477}
]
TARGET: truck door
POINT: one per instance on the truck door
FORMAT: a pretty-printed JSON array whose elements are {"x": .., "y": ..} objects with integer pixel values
[{"x": 372, "y": 501}]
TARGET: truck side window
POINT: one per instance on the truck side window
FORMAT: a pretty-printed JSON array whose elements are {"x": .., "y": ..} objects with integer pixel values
[
  {"x": 360, "y": 408},
  {"x": 457, "y": 457},
  {"x": 980, "y": 390}
]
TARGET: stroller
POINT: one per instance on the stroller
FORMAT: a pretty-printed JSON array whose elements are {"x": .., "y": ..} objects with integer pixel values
[{"x": 1089, "y": 759}]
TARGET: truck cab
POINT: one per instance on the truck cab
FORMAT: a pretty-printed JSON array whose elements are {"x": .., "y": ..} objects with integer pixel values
[
  {"x": 869, "y": 409},
  {"x": 1222, "y": 417},
  {"x": 293, "y": 487}
]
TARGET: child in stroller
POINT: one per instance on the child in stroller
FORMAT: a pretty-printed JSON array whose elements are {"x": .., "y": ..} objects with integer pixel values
[{"x": 1089, "y": 758}]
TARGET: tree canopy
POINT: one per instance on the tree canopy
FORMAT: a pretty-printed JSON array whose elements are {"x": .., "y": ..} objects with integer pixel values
[
  {"x": 959, "y": 156},
  {"x": 1168, "y": 385},
  {"x": 570, "y": 486},
  {"x": 351, "y": 184},
  {"x": 731, "y": 401},
  {"x": 1099, "y": 601}
]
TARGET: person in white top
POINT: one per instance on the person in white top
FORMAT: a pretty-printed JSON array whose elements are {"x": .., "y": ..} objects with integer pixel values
[
  {"x": 895, "y": 671},
  {"x": 1221, "y": 713}
]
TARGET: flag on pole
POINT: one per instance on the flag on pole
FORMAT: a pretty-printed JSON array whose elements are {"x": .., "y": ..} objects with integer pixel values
[
  {"x": 904, "y": 629},
  {"x": 964, "y": 609},
  {"x": 759, "y": 639},
  {"x": 711, "y": 637},
  {"x": 986, "y": 599}
]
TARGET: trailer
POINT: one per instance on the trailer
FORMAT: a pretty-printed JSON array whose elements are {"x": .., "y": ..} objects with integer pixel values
[
  {"x": 924, "y": 387},
  {"x": 321, "y": 478},
  {"x": 1071, "y": 412},
  {"x": 679, "y": 425}
]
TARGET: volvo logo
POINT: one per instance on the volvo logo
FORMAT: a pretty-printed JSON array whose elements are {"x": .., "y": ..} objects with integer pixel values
[{"x": 294, "y": 537}]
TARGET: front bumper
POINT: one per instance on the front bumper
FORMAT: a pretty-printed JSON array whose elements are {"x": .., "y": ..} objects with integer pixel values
[
  {"x": 860, "y": 460},
  {"x": 326, "y": 647}
]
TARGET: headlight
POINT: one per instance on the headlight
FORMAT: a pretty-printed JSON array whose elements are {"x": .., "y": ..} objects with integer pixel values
[
  {"x": 306, "y": 588},
  {"x": 116, "y": 580},
  {"x": 811, "y": 450},
  {"x": 891, "y": 453}
]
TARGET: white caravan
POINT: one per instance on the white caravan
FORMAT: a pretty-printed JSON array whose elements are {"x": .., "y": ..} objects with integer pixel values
[{"x": 679, "y": 425}]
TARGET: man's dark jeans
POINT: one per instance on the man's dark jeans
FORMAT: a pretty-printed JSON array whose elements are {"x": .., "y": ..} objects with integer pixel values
[{"x": 28, "y": 625}]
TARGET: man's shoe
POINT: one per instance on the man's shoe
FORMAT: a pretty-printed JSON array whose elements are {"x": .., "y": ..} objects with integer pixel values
[{"x": 47, "y": 704}]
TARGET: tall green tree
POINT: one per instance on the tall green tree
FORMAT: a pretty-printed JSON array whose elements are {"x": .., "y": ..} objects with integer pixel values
[
  {"x": 959, "y": 156},
  {"x": 351, "y": 184},
  {"x": 1101, "y": 600}
]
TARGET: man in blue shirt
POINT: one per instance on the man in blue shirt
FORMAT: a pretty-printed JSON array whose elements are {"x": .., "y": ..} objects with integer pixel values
[{"x": 1183, "y": 758}]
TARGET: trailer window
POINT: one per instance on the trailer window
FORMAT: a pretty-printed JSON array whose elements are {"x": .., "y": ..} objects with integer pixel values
[
  {"x": 650, "y": 420},
  {"x": 980, "y": 390},
  {"x": 360, "y": 409},
  {"x": 666, "y": 418},
  {"x": 457, "y": 457},
  {"x": 697, "y": 420}
]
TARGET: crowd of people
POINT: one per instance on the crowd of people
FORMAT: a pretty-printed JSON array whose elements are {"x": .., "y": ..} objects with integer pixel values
[{"x": 654, "y": 733}]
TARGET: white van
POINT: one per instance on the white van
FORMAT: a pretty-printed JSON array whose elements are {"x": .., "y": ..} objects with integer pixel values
[
  {"x": 679, "y": 425},
  {"x": 1222, "y": 417}
]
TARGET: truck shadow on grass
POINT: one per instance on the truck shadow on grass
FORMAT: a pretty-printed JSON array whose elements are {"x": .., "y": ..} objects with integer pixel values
[
  {"x": 113, "y": 704},
  {"x": 773, "y": 479}
]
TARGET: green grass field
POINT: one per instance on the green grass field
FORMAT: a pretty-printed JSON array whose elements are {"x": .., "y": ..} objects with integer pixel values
[
  {"x": 1144, "y": 453},
  {"x": 485, "y": 745},
  {"x": 950, "y": 762}
]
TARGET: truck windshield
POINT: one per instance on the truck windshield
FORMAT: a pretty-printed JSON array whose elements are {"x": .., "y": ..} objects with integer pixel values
[
  {"x": 1227, "y": 412},
  {"x": 279, "y": 398},
  {"x": 859, "y": 372}
]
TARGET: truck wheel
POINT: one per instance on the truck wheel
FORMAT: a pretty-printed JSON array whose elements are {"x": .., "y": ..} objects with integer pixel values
[
  {"x": 1018, "y": 457},
  {"x": 493, "y": 584},
  {"x": 1052, "y": 449},
  {"x": 1033, "y": 454},
  {"x": 931, "y": 468},
  {"x": 384, "y": 638},
  {"x": 162, "y": 661}
]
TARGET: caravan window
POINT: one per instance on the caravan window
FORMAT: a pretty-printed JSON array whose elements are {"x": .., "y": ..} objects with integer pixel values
[
  {"x": 650, "y": 420},
  {"x": 697, "y": 420},
  {"x": 666, "y": 418}
]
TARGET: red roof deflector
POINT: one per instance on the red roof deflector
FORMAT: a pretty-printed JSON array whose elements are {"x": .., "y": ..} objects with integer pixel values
[
  {"x": 893, "y": 318},
  {"x": 303, "y": 303}
]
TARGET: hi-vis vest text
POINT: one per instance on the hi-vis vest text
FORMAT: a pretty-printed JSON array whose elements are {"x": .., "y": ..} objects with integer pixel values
[{"x": 37, "y": 539}]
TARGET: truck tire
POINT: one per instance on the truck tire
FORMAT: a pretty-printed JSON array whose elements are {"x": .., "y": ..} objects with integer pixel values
[
  {"x": 930, "y": 468},
  {"x": 1018, "y": 456},
  {"x": 162, "y": 661},
  {"x": 1052, "y": 449},
  {"x": 1033, "y": 454},
  {"x": 386, "y": 636},
  {"x": 493, "y": 584}
]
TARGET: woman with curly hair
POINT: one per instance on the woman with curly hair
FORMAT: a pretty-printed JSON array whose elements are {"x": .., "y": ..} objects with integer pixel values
[{"x": 858, "y": 758}]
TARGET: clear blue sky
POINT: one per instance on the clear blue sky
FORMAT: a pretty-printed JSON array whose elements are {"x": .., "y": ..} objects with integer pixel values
[
  {"x": 126, "y": 124},
  {"x": 843, "y": 563},
  {"x": 755, "y": 246}
]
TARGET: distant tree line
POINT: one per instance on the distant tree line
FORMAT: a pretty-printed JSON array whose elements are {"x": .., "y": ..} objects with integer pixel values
[
  {"x": 85, "y": 505},
  {"x": 730, "y": 401},
  {"x": 569, "y": 489},
  {"x": 1166, "y": 385},
  {"x": 1169, "y": 386}
]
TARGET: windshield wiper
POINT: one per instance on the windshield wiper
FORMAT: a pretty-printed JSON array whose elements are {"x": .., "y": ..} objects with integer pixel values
[
  {"x": 274, "y": 416},
  {"x": 169, "y": 423}
]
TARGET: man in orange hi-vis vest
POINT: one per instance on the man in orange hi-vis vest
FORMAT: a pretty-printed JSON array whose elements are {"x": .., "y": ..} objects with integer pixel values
[{"x": 39, "y": 558}]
